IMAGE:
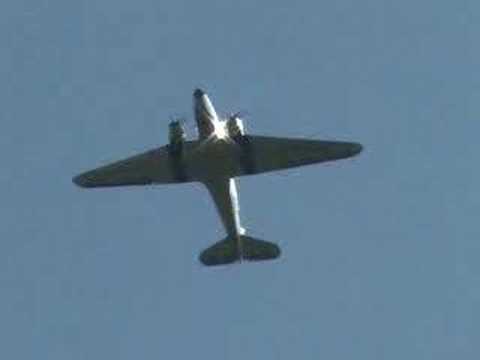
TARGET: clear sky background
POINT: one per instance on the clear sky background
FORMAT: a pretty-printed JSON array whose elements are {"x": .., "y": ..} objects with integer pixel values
[{"x": 380, "y": 252}]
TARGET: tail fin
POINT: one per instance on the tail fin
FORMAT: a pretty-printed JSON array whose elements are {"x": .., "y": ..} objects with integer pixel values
[{"x": 228, "y": 251}]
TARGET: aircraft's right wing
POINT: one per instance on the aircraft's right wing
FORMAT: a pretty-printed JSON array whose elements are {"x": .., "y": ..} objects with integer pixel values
[
  {"x": 264, "y": 153},
  {"x": 155, "y": 166}
]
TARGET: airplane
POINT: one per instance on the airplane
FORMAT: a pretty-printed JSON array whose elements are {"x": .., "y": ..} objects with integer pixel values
[{"x": 222, "y": 152}]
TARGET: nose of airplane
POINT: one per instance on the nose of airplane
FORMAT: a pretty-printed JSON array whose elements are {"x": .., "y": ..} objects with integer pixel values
[{"x": 198, "y": 93}]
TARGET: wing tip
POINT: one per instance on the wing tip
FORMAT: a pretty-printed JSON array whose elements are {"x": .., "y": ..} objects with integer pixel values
[
  {"x": 81, "y": 181},
  {"x": 356, "y": 148}
]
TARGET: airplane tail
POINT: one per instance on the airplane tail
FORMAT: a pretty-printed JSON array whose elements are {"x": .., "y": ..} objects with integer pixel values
[{"x": 229, "y": 250}]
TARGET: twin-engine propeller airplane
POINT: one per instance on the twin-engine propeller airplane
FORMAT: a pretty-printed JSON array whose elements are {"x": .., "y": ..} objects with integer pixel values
[{"x": 222, "y": 152}]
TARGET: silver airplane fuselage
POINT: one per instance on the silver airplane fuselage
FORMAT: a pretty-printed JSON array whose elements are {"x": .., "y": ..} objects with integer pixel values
[{"x": 223, "y": 189}]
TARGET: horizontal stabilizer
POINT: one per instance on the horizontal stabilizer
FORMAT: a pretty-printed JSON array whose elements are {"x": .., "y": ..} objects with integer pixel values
[
  {"x": 229, "y": 250},
  {"x": 257, "y": 250}
]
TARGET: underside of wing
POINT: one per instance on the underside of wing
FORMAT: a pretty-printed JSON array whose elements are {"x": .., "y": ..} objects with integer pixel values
[
  {"x": 262, "y": 153},
  {"x": 156, "y": 166}
]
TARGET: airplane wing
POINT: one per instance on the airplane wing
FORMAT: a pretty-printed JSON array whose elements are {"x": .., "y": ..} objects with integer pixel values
[
  {"x": 155, "y": 166},
  {"x": 263, "y": 153},
  {"x": 255, "y": 155}
]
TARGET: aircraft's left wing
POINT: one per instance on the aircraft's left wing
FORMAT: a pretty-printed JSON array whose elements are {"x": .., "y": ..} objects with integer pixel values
[
  {"x": 265, "y": 153},
  {"x": 156, "y": 166}
]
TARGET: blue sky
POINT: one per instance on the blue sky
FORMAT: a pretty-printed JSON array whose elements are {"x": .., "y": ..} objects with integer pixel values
[{"x": 380, "y": 252}]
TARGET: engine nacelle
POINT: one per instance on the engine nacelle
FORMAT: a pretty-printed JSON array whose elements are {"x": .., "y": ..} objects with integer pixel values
[
  {"x": 177, "y": 136},
  {"x": 235, "y": 127}
]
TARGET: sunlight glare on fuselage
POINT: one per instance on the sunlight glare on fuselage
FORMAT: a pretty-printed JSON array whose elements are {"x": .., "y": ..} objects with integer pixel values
[{"x": 220, "y": 129}]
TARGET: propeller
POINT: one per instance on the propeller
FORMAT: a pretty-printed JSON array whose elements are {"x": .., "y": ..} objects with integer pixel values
[
  {"x": 187, "y": 124},
  {"x": 177, "y": 119},
  {"x": 238, "y": 114}
]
